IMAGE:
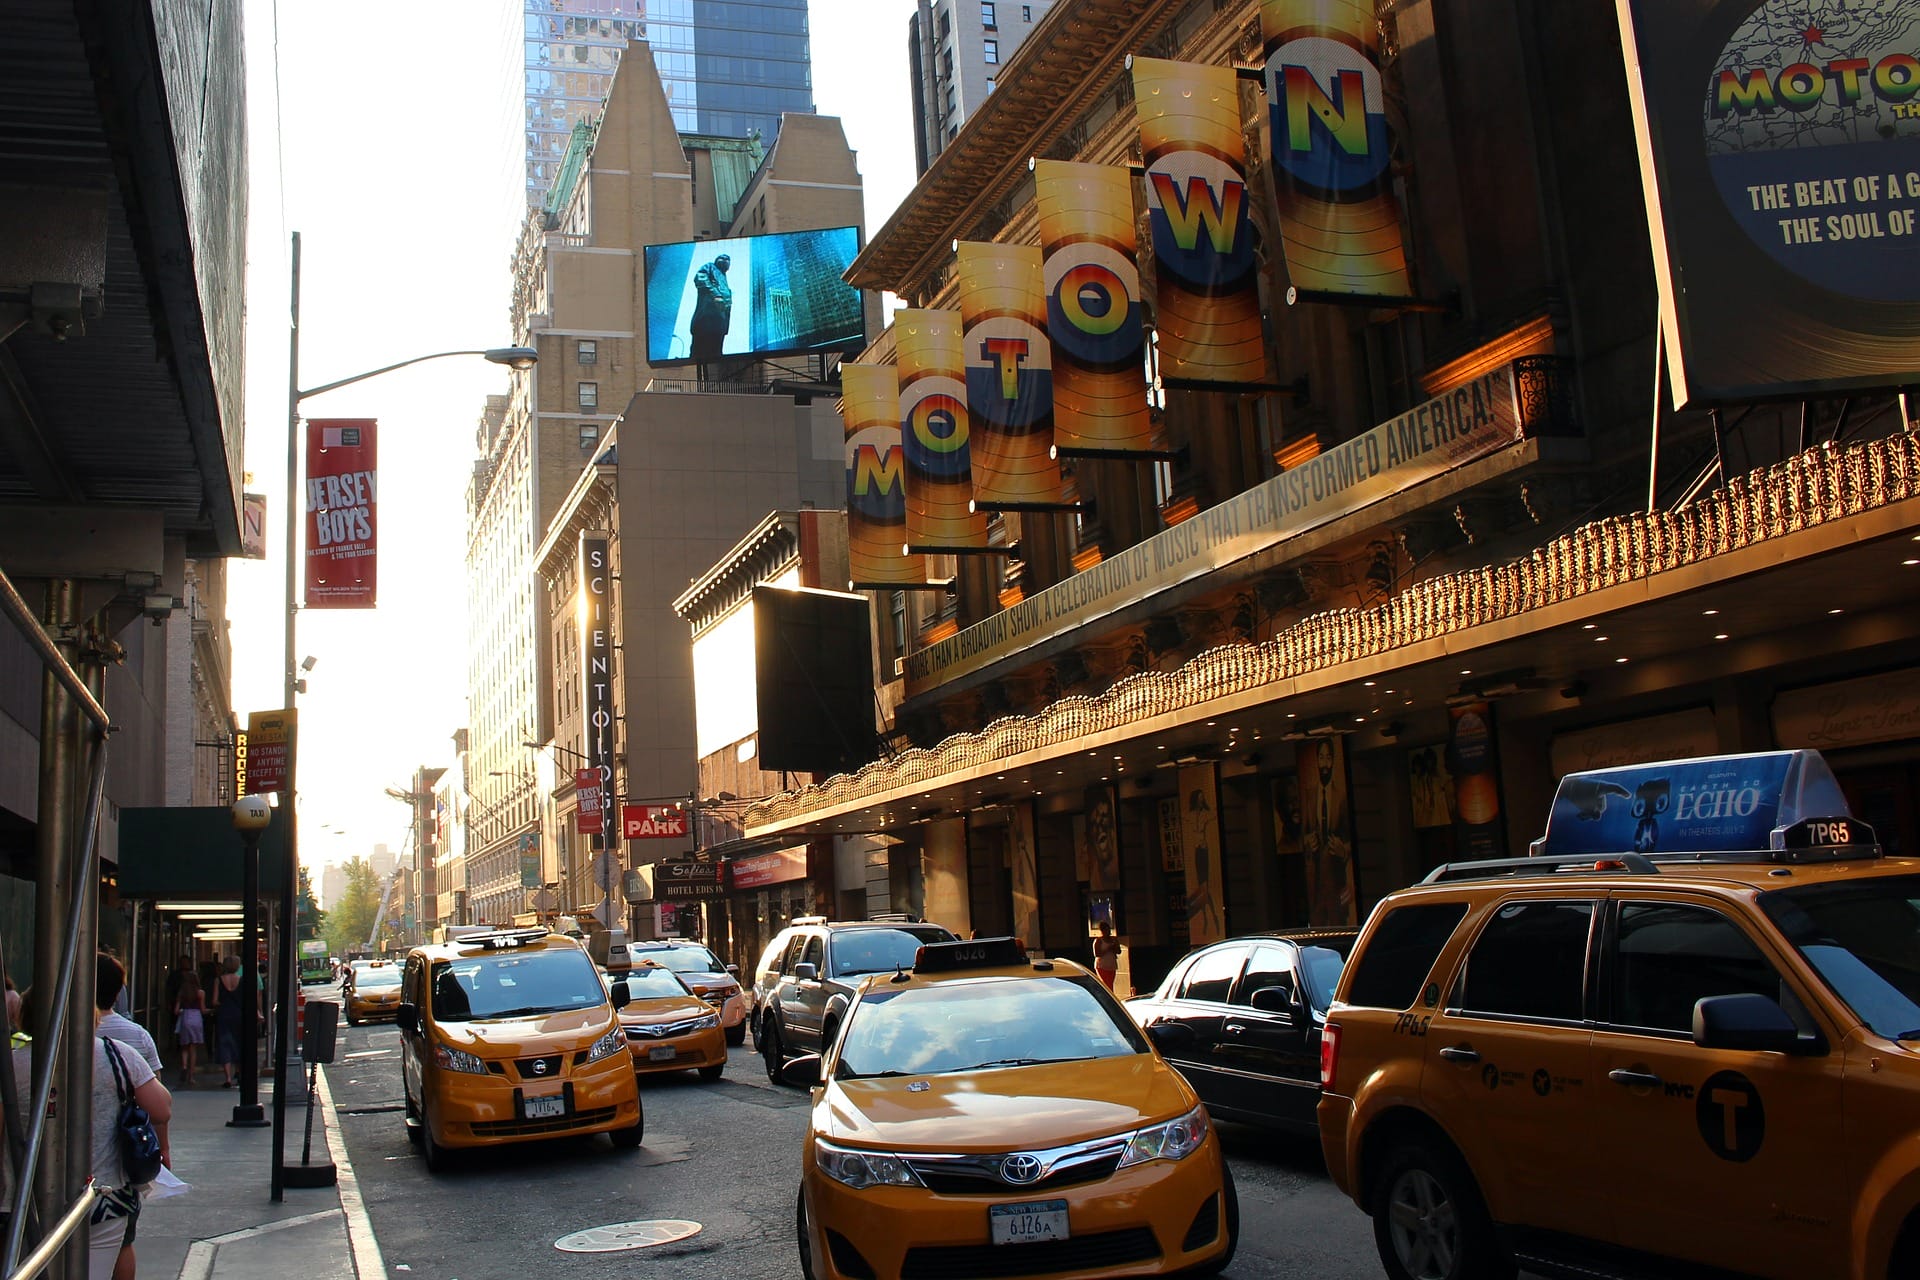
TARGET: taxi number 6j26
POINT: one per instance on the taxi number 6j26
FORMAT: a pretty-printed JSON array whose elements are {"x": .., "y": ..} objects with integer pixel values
[
  {"x": 1034, "y": 1223},
  {"x": 552, "y": 1105}
]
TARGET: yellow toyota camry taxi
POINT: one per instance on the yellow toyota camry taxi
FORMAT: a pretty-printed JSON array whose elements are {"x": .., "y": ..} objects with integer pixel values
[
  {"x": 509, "y": 1037},
  {"x": 989, "y": 1115},
  {"x": 375, "y": 993},
  {"x": 669, "y": 1028}
]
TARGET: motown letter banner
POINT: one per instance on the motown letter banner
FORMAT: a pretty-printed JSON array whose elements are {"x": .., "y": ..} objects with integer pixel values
[
  {"x": 934, "y": 430},
  {"x": 1780, "y": 151},
  {"x": 876, "y": 479},
  {"x": 1206, "y": 286},
  {"x": 341, "y": 475},
  {"x": 1009, "y": 365},
  {"x": 1332, "y": 150},
  {"x": 1093, "y": 308}
]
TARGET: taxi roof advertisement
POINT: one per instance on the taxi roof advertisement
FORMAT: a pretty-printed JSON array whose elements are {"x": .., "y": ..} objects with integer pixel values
[
  {"x": 1722, "y": 803},
  {"x": 1780, "y": 152}
]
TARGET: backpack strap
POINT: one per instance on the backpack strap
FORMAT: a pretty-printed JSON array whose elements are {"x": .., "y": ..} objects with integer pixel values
[{"x": 122, "y": 1079}]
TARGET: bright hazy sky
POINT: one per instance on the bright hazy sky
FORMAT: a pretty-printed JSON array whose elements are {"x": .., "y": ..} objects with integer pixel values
[{"x": 397, "y": 145}]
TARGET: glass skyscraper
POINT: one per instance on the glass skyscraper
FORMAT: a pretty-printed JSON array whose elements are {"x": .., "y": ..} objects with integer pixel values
[{"x": 730, "y": 67}]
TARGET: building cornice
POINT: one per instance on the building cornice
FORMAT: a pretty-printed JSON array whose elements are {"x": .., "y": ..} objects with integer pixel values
[{"x": 773, "y": 543}]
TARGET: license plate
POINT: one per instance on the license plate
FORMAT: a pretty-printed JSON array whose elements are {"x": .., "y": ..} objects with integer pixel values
[
  {"x": 552, "y": 1106},
  {"x": 661, "y": 1053},
  {"x": 1034, "y": 1223}
]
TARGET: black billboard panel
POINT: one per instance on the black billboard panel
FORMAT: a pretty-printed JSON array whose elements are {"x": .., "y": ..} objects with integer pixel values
[{"x": 813, "y": 668}]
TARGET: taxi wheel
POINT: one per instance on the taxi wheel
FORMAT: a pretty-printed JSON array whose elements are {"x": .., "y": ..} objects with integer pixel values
[
  {"x": 805, "y": 1237},
  {"x": 438, "y": 1158},
  {"x": 770, "y": 1048},
  {"x": 415, "y": 1125},
  {"x": 1429, "y": 1222},
  {"x": 712, "y": 1072},
  {"x": 737, "y": 1033},
  {"x": 630, "y": 1138}
]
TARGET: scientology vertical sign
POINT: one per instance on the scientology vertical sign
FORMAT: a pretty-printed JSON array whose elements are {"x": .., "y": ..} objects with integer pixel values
[
  {"x": 1780, "y": 152},
  {"x": 596, "y": 653}
]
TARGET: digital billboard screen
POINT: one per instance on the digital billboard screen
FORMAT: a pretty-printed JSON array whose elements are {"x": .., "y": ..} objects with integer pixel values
[{"x": 753, "y": 296}]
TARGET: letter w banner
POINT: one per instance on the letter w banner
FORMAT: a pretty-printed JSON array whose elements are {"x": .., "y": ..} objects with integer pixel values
[
  {"x": 876, "y": 481},
  {"x": 1206, "y": 283},
  {"x": 1003, "y": 306},
  {"x": 1332, "y": 149},
  {"x": 1093, "y": 308},
  {"x": 341, "y": 476},
  {"x": 936, "y": 432}
]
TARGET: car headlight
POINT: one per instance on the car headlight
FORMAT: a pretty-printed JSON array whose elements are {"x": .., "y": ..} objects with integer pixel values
[
  {"x": 1174, "y": 1140},
  {"x": 706, "y": 1021},
  {"x": 458, "y": 1060},
  {"x": 611, "y": 1043},
  {"x": 862, "y": 1169}
]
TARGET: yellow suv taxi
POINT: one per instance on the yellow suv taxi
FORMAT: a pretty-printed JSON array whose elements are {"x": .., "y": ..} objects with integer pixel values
[
  {"x": 1685, "y": 1034},
  {"x": 990, "y": 1115},
  {"x": 510, "y": 1036}
]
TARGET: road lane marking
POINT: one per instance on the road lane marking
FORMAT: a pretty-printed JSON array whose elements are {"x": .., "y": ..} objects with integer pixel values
[{"x": 367, "y": 1262}]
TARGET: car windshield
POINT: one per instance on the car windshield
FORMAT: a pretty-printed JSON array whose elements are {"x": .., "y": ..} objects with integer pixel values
[
  {"x": 472, "y": 989},
  {"x": 683, "y": 959},
  {"x": 989, "y": 1023},
  {"x": 857, "y": 951},
  {"x": 1323, "y": 962},
  {"x": 387, "y": 976},
  {"x": 1863, "y": 937},
  {"x": 652, "y": 982}
]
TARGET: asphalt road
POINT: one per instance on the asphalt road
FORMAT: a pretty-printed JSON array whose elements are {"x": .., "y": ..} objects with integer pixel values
[{"x": 725, "y": 1155}]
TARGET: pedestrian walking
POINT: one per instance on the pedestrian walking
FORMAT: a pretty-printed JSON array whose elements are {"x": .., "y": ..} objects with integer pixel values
[
  {"x": 226, "y": 1020},
  {"x": 1106, "y": 955},
  {"x": 14, "y": 1003},
  {"x": 189, "y": 1025}
]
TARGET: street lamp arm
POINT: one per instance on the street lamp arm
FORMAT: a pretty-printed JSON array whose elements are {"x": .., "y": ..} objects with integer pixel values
[{"x": 513, "y": 357}]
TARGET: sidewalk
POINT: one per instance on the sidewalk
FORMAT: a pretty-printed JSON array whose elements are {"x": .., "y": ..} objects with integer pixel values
[{"x": 226, "y": 1227}]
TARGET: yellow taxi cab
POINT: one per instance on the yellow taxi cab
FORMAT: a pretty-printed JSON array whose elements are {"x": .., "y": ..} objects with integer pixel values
[
  {"x": 668, "y": 1027},
  {"x": 509, "y": 1037},
  {"x": 987, "y": 1114},
  {"x": 375, "y": 993},
  {"x": 1682, "y": 1038}
]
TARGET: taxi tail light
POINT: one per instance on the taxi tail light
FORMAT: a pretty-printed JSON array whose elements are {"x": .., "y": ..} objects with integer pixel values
[{"x": 1329, "y": 1054}]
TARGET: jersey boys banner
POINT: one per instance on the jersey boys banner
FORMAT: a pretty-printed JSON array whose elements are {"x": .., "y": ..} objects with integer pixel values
[
  {"x": 936, "y": 434},
  {"x": 1093, "y": 308},
  {"x": 1780, "y": 147},
  {"x": 876, "y": 479},
  {"x": 1206, "y": 285},
  {"x": 1009, "y": 366},
  {"x": 1332, "y": 150},
  {"x": 341, "y": 487}
]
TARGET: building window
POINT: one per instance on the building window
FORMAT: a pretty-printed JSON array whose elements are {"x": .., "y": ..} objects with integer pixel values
[
  {"x": 1026, "y": 13},
  {"x": 951, "y": 99},
  {"x": 587, "y": 351},
  {"x": 990, "y": 83},
  {"x": 589, "y": 435},
  {"x": 589, "y": 395},
  {"x": 990, "y": 50},
  {"x": 897, "y": 611},
  {"x": 946, "y": 23},
  {"x": 986, "y": 14}
]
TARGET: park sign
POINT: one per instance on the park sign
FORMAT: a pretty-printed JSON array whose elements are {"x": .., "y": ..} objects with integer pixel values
[
  {"x": 1780, "y": 157},
  {"x": 653, "y": 822}
]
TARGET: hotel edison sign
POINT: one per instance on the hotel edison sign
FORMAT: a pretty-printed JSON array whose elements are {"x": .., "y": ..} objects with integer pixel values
[{"x": 1471, "y": 421}]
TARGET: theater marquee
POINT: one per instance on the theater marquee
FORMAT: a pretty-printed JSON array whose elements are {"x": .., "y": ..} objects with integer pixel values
[{"x": 1469, "y": 422}]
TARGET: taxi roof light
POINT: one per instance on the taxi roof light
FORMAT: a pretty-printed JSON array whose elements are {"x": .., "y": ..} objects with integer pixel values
[
  {"x": 974, "y": 953},
  {"x": 503, "y": 938}
]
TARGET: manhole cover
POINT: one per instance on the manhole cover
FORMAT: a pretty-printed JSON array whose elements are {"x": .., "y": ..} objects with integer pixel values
[{"x": 622, "y": 1236}]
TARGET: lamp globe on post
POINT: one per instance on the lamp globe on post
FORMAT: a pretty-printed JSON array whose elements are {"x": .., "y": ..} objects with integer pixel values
[{"x": 251, "y": 816}]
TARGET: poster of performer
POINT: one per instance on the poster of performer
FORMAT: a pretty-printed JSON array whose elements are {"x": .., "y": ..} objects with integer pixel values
[
  {"x": 1327, "y": 833},
  {"x": 1102, "y": 841}
]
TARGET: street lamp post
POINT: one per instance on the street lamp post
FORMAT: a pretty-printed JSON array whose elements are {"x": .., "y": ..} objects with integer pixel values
[
  {"x": 250, "y": 818},
  {"x": 513, "y": 357}
]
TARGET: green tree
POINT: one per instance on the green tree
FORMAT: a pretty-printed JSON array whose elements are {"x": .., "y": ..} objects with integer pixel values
[
  {"x": 351, "y": 919},
  {"x": 313, "y": 921}
]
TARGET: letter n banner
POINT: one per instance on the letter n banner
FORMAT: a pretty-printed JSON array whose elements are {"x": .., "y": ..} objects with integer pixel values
[{"x": 340, "y": 492}]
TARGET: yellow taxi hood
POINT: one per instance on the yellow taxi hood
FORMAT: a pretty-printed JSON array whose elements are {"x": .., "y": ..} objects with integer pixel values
[
  {"x": 535, "y": 1035},
  {"x": 663, "y": 1009},
  {"x": 1047, "y": 1105}
]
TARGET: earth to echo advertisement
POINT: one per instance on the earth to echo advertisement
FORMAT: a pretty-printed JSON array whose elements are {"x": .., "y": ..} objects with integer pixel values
[
  {"x": 1678, "y": 806},
  {"x": 1784, "y": 137}
]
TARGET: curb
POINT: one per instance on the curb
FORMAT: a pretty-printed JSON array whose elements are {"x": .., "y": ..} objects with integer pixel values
[{"x": 367, "y": 1261}]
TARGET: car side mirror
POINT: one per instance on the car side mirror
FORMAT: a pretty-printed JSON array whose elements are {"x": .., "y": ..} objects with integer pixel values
[
  {"x": 1171, "y": 1037},
  {"x": 1747, "y": 1021},
  {"x": 802, "y": 1072},
  {"x": 622, "y": 994},
  {"x": 734, "y": 969},
  {"x": 806, "y": 972},
  {"x": 1274, "y": 1000},
  {"x": 407, "y": 1018}
]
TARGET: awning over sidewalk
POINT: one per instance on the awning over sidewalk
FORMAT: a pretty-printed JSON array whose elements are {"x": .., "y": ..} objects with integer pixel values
[{"x": 194, "y": 853}]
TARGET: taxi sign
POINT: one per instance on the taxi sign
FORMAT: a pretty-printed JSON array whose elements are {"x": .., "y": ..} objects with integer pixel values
[
  {"x": 976, "y": 953},
  {"x": 503, "y": 938},
  {"x": 1820, "y": 839}
]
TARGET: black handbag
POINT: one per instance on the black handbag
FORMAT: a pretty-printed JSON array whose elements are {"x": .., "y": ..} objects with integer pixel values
[{"x": 139, "y": 1143}]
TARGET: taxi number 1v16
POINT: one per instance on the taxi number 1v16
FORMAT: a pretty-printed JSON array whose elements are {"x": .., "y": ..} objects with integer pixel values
[{"x": 1034, "y": 1223}]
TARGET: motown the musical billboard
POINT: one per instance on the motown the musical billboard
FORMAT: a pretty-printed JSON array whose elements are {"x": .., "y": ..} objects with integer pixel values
[
  {"x": 876, "y": 479},
  {"x": 1332, "y": 148},
  {"x": 935, "y": 433},
  {"x": 1206, "y": 281},
  {"x": 1093, "y": 308},
  {"x": 1780, "y": 149},
  {"x": 1009, "y": 364}
]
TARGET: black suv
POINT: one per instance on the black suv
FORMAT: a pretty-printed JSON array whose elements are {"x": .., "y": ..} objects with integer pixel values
[{"x": 808, "y": 974}]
